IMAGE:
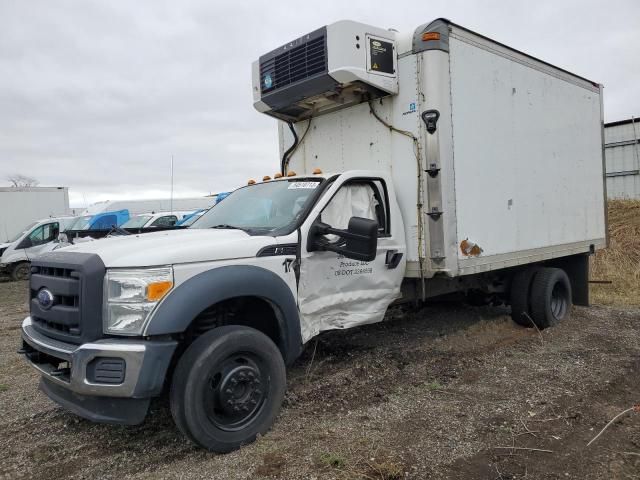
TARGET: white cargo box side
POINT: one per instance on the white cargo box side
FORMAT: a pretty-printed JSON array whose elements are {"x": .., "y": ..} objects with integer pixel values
[{"x": 526, "y": 145}]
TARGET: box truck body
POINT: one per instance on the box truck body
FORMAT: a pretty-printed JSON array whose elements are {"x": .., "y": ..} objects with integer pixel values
[
  {"x": 21, "y": 206},
  {"x": 515, "y": 165},
  {"x": 412, "y": 165}
]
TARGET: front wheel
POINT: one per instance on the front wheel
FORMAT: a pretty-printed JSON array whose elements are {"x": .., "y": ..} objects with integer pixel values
[
  {"x": 228, "y": 387},
  {"x": 21, "y": 271}
]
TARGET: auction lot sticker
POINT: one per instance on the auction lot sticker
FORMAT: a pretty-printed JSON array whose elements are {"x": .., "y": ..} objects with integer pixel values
[{"x": 294, "y": 185}]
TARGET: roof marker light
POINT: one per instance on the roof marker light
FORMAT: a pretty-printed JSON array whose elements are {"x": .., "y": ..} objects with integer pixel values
[
  {"x": 266, "y": 178},
  {"x": 277, "y": 175},
  {"x": 291, "y": 174},
  {"x": 317, "y": 171},
  {"x": 251, "y": 182},
  {"x": 430, "y": 36}
]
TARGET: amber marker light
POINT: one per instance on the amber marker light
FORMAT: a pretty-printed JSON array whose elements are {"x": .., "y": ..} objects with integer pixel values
[
  {"x": 430, "y": 36},
  {"x": 291, "y": 174},
  {"x": 277, "y": 175},
  {"x": 266, "y": 178},
  {"x": 317, "y": 171},
  {"x": 251, "y": 182},
  {"x": 157, "y": 290}
]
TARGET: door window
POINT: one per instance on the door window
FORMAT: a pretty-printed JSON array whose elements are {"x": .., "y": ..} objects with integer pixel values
[
  {"x": 366, "y": 199},
  {"x": 44, "y": 234}
]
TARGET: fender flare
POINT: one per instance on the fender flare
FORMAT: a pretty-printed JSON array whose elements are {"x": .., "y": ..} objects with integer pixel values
[{"x": 176, "y": 312}]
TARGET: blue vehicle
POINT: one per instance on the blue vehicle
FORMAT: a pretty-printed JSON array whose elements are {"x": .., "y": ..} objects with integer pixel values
[
  {"x": 188, "y": 220},
  {"x": 101, "y": 221}
]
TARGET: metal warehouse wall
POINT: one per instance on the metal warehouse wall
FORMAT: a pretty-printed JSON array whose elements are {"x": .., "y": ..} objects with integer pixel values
[{"x": 622, "y": 152}]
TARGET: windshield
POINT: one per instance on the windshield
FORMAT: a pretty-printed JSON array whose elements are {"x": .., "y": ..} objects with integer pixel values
[
  {"x": 22, "y": 232},
  {"x": 81, "y": 223},
  {"x": 264, "y": 206},
  {"x": 136, "y": 222}
]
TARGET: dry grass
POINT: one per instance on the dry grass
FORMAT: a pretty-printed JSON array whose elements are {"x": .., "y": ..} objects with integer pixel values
[{"x": 620, "y": 263}]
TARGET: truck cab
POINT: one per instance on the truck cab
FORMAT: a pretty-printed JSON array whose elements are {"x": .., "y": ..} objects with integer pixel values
[
  {"x": 155, "y": 219},
  {"x": 266, "y": 270},
  {"x": 101, "y": 221}
]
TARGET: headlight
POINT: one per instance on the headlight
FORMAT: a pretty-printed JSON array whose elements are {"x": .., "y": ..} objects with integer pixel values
[{"x": 130, "y": 295}]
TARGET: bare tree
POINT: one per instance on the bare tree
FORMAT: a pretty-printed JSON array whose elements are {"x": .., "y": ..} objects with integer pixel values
[{"x": 18, "y": 180}]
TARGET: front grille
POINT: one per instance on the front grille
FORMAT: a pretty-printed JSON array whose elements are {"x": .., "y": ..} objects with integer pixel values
[
  {"x": 70, "y": 309},
  {"x": 297, "y": 63},
  {"x": 63, "y": 316}
]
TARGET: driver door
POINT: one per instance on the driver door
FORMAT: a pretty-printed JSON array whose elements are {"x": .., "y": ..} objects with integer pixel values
[{"x": 336, "y": 292}]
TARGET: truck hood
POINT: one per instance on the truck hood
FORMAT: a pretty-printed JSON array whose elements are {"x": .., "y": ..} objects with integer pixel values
[{"x": 173, "y": 247}]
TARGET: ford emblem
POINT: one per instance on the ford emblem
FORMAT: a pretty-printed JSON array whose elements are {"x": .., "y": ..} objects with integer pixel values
[{"x": 45, "y": 299}]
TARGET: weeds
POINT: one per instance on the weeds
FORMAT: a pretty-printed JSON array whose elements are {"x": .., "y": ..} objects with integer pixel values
[
  {"x": 332, "y": 460},
  {"x": 620, "y": 262}
]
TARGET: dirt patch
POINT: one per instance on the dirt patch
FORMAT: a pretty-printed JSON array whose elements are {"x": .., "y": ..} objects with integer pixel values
[{"x": 447, "y": 392}]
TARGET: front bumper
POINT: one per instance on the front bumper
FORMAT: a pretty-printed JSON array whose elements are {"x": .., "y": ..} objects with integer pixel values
[{"x": 129, "y": 370}]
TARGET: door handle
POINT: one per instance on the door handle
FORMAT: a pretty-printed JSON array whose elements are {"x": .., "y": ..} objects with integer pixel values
[{"x": 393, "y": 259}]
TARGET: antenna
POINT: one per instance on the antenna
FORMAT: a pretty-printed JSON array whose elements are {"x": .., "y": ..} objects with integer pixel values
[{"x": 171, "y": 198}]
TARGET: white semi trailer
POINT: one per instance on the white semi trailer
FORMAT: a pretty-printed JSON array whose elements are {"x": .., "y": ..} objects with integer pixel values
[{"x": 413, "y": 165}]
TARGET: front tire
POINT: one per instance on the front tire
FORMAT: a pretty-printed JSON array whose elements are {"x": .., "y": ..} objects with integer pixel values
[
  {"x": 20, "y": 271},
  {"x": 228, "y": 387}
]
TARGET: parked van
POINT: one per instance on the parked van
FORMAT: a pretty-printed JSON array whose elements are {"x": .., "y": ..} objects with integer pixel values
[{"x": 31, "y": 241}]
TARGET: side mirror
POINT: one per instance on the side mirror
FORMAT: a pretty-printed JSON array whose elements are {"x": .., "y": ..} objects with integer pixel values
[{"x": 361, "y": 239}]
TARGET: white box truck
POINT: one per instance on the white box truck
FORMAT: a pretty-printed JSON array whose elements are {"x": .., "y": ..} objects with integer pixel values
[
  {"x": 413, "y": 165},
  {"x": 21, "y": 206}
]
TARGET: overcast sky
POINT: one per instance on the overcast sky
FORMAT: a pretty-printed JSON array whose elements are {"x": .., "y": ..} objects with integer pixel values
[{"x": 97, "y": 95}]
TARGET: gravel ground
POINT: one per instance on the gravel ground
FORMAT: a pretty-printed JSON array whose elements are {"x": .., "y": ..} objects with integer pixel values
[{"x": 448, "y": 392}]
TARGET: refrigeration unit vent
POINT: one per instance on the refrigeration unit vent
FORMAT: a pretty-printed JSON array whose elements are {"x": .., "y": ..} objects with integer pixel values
[
  {"x": 298, "y": 63},
  {"x": 334, "y": 67}
]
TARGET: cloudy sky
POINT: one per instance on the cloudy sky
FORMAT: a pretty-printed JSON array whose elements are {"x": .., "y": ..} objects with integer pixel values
[{"x": 97, "y": 95}]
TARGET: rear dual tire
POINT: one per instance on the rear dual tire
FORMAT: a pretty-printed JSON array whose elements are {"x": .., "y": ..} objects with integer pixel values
[{"x": 540, "y": 296}]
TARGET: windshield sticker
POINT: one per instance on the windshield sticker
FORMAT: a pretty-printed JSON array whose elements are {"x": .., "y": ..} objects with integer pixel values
[{"x": 294, "y": 185}]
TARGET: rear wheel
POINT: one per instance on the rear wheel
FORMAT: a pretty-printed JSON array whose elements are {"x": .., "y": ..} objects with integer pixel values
[
  {"x": 521, "y": 295},
  {"x": 21, "y": 271},
  {"x": 550, "y": 297},
  {"x": 228, "y": 388}
]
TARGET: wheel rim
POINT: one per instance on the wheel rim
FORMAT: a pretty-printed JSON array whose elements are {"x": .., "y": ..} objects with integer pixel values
[
  {"x": 236, "y": 392},
  {"x": 559, "y": 301},
  {"x": 22, "y": 272}
]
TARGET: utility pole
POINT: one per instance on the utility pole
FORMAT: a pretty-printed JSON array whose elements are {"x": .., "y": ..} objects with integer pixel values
[{"x": 171, "y": 198}]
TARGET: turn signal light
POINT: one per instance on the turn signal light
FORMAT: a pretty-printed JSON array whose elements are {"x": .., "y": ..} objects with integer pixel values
[{"x": 157, "y": 290}]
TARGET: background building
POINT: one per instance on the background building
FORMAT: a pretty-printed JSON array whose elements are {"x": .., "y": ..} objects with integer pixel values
[{"x": 622, "y": 152}]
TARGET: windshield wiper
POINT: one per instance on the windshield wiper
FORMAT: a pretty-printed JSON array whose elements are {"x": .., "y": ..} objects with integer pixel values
[{"x": 225, "y": 226}]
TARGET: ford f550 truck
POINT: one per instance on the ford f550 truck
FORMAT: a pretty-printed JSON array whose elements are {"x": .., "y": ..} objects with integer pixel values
[{"x": 413, "y": 165}]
